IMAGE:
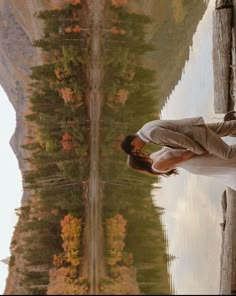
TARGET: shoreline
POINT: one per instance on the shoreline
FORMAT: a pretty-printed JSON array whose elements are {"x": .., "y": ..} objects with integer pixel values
[
  {"x": 224, "y": 103},
  {"x": 228, "y": 247}
]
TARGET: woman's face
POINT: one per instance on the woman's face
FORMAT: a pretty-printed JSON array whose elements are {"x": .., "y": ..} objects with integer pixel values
[
  {"x": 144, "y": 156},
  {"x": 141, "y": 163}
]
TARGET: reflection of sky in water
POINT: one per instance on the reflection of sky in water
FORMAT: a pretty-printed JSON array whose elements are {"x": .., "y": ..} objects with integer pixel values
[{"x": 193, "y": 203}]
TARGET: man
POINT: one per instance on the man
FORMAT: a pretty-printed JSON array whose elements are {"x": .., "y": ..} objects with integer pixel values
[{"x": 190, "y": 133}]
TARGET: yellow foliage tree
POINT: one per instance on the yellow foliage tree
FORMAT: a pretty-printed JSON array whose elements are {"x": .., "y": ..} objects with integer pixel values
[
  {"x": 64, "y": 279},
  {"x": 70, "y": 233},
  {"x": 115, "y": 234},
  {"x": 64, "y": 282}
]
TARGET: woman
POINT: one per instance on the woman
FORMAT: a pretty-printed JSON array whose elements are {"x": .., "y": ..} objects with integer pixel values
[{"x": 166, "y": 162}]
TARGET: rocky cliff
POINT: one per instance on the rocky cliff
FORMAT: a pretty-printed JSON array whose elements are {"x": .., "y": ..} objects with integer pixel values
[{"x": 19, "y": 28}]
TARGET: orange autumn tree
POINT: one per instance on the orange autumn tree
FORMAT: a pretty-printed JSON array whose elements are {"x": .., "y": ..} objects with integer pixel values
[
  {"x": 117, "y": 31},
  {"x": 75, "y": 29},
  {"x": 67, "y": 142},
  {"x": 67, "y": 95},
  {"x": 74, "y": 2},
  {"x": 64, "y": 278},
  {"x": 115, "y": 234},
  {"x": 59, "y": 73},
  {"x": 122, "y": 96},
  {"x": 70, "y": 234},
  {"x": 63, "y": 281},
  {"x": 118, "y": 3}
]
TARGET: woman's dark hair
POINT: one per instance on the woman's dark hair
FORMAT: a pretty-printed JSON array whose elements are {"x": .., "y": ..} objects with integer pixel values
[
  {"x": 144, "y": 163},
  {"x": 126, "y": 143}
]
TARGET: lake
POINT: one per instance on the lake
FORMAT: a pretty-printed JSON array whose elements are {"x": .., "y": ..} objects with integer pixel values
[
  {"x": 188, "y": 206},
  {"x": 193, "y": 203}
]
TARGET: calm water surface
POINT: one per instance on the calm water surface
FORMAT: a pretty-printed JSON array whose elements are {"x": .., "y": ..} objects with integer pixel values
[{"x": 193, "y": 203}]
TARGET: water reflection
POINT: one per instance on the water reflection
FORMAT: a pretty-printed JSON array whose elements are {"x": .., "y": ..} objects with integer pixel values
[
  {"x": 193, "y": 203},
  {"x": 127, "y": 192}
]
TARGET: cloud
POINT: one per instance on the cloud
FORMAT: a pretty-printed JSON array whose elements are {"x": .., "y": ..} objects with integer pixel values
[{"x": 192, "y": 222}]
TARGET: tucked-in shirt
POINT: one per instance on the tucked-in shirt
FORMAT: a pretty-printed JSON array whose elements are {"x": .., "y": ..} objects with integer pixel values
[{"x": 188, "y": 133}]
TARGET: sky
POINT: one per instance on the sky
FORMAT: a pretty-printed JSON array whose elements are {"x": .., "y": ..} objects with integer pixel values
[
  {"x": 11, "y": 184},
  {"x": 193, "y": 203}
]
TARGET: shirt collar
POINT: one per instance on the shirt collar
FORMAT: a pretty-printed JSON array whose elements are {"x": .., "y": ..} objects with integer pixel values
[{"x": 142, "y": 137}]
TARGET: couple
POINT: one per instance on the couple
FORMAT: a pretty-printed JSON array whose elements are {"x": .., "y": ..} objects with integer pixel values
[{"x": 190, "y": 144}]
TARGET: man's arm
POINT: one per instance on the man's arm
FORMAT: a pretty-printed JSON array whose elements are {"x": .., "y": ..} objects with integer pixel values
[{"x": 168, "y": 137}]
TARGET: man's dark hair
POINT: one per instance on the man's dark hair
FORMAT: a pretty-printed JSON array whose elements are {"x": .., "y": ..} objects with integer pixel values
[{"x": 126, "y": 143}]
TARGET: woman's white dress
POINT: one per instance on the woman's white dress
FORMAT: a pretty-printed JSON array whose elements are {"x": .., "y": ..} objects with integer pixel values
[{"x": 207, "y": 165}]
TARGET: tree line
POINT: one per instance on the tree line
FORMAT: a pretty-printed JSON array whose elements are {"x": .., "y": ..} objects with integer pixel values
[
  {"x": 130, "y": 101},
  {"x": 51, "y": 223}
]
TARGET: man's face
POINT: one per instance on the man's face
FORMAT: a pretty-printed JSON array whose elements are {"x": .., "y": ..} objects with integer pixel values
[{"x": 137, "y": 145}]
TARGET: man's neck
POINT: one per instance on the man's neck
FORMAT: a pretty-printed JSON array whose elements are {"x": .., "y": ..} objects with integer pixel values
[{"x": 142, "y": 137}]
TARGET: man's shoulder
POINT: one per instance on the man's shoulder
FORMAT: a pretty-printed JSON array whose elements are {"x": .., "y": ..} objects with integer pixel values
[
  {"x": 152, "y": 123},
  {"x": 145, "y": 131}
]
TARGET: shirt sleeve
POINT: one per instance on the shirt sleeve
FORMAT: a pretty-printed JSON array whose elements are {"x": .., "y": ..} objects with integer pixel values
[{"x": 142, "y": 137}]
